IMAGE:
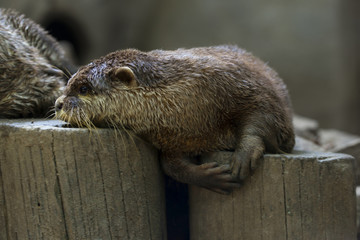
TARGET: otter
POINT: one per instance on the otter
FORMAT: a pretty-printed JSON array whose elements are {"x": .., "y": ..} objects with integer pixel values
[
  {"x": 187, "y": 102},
  {"x": 33, "y": 67}
]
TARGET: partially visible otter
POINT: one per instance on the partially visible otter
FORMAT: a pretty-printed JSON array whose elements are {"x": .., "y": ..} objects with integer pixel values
[
  {"x": 187, "y": 102},
  {"x": 32, "y": 67}
]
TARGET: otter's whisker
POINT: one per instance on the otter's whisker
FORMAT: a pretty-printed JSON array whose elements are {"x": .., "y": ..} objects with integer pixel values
[
  {"x": 51, "y": 113},
  {"x": 121, "y": 133},
  {"x": 67, "y": 73},
  {"x": 129, "y": 133},
  {"x": 51, "y": 116},
  {"x": 71, "y": 118}
]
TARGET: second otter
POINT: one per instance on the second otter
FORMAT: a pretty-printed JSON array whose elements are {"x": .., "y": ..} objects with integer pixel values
[
  {"x": 32, "y": 67},
  {"x": 187, "y": 102}
]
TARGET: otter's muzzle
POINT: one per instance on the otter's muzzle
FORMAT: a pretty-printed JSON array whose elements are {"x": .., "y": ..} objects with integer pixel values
[
  {"x": 66, "y": 103},
  {"x": 59, "y": 104}
]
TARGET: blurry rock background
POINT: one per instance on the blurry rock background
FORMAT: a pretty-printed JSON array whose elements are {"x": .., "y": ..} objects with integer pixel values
[{"x": 314, "y": 45}]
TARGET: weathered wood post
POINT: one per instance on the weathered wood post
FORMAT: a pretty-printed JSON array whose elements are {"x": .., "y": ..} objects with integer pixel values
[
  {"x": 295, "y": 196},
  {"x": 68, "y": 183}
]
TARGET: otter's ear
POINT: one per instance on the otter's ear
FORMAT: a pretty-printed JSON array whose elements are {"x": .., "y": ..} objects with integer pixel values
[{"x": 125, "y": 75}]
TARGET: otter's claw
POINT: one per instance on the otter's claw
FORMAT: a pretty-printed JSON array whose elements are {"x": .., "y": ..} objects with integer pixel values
[
  {"x": 245, "y": 162},
  {"x": 217, "y": 178}
]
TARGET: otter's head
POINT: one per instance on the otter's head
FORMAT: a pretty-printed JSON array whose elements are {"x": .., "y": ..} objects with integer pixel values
[
  {"x": 93, "y": 96},
  {"x": 29, "y": 89}
]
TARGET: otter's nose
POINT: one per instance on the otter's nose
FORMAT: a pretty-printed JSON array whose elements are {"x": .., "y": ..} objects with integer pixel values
[{"x": 59, "y": 104}]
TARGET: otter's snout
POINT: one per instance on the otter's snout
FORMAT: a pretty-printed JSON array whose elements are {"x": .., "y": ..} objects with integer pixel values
[
  {"x": 65, "y": 103},
  {"x": 59, "y": 104}
]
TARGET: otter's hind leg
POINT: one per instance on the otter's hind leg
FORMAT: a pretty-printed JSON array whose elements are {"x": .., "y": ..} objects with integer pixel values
[
  {"x": 247, "y": 155},
  {"x": 215, "y": 177}
]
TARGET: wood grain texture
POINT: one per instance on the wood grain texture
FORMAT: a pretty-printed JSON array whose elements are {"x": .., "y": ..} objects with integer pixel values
[
  {"x": 67, "y": 183},
  {"x": 295, "y": 196}
]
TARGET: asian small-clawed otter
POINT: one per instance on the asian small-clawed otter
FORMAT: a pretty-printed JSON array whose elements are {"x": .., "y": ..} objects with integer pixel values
[
  {"x": 187, "y": 102},
  {"x": 32, "y": 67}
]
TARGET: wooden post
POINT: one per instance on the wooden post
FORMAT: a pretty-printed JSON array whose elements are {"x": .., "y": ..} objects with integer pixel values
[
  {"x": 295, "y": 196},
  {"x": 70, "y": 183}
]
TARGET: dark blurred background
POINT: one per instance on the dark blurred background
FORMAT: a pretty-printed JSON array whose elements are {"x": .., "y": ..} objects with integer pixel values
[{"x": 314, "y": 45}]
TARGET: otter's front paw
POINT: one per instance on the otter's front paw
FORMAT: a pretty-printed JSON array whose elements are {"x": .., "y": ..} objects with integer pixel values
[
  {"x": 245, "y": 162},
  {"x": 217, "y": 178}
]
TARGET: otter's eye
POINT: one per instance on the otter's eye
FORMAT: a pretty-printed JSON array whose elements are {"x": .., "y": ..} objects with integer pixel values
[{"x": 83, "y": 89}]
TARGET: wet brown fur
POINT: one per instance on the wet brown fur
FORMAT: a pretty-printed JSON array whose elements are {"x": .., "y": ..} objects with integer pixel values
[
  {"x": 187, "y": 102},
  {"x": 32, "y": 67}
]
